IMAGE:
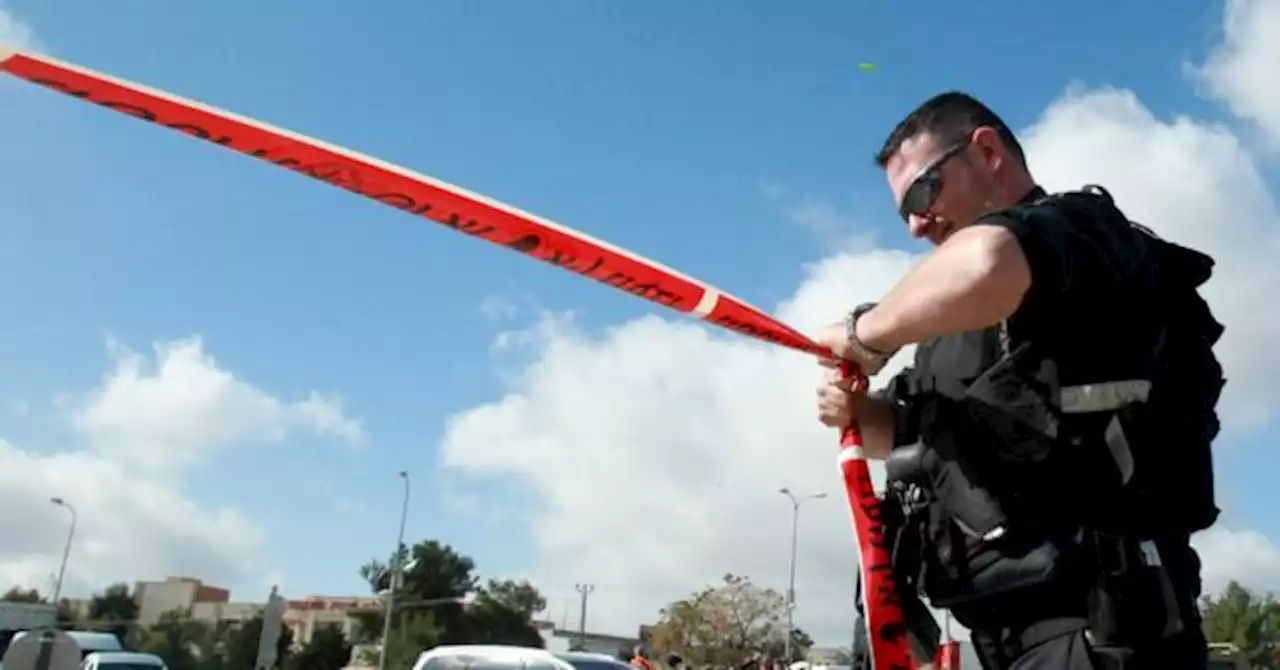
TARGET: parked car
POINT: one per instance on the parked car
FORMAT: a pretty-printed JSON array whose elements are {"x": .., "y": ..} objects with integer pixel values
[
  {"x": 122, "y": 660},
  {"x": 585, "y": 660},
  {"x": 489, "y": 657},
  {"x": 1226, "y": 656},
  {"x": 89, "y": 641}
]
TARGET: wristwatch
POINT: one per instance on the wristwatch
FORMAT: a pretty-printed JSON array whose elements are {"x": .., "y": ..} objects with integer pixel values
[{"x": 860, "y": 349}]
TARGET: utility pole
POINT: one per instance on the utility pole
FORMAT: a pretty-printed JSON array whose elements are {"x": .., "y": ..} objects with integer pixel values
[
  {"x": 397, "y": 575},
  {"x": 584, "y": 590},
  {"x": 791, "y": 583}
]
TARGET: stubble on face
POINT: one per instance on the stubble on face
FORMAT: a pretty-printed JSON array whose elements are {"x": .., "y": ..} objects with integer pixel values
[{"x": 966, "y": 194}]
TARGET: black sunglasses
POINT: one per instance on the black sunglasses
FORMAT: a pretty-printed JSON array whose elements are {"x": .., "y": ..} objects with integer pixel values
[{"x": 926, "y": 188}]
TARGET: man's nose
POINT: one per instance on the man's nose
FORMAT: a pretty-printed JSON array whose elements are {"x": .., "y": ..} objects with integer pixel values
[{"x": 919, "y": 224}]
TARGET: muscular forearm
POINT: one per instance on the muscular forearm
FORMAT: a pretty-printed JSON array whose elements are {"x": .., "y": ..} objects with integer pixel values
[{"x": 875, "y": 420}]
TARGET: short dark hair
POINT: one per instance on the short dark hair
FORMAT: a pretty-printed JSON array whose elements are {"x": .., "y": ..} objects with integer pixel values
[{"x": 951, "y": 116}]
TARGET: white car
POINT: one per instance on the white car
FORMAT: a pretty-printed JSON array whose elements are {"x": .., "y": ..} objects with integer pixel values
[
  {"x": 122, "y": 660},
  {"x": 489, "y": 657}
]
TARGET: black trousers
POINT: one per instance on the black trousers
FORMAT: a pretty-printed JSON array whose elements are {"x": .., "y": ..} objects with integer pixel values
[
  {"x": 1052, "y": 625},
  {"x": 1064, "y": 644}
]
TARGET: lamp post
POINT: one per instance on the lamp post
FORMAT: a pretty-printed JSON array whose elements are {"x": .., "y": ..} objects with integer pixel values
[
  {"x": 396, "y": 565},
  {"x": 66, "y": 551},
  {"x": 796, "y": 502}
]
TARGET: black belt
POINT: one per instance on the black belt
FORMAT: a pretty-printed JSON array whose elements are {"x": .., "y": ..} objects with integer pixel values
[{"x": 1002, "y": 648}]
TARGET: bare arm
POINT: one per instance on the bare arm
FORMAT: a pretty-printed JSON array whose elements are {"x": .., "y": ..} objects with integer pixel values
[
  {"x": 876, "y": 420},
  {"x": 976, "y": 279}
]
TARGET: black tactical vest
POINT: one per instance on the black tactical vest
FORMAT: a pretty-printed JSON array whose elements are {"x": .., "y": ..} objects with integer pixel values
[{"x": 1045, "y": 438}]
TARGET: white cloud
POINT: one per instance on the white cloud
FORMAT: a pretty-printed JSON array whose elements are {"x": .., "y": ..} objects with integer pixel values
[
  {"x": 833, "y": 228},
  {"x": 1243, "y": 555},
  {"x": 132, "y": 415},
  {"x": 1240, "y": 71},
  {"x": 274, "y": 579},
  {"x": 652, "y": 451},
  {"x": 498, "y": 308},
  {"x": 15, "y": 33},
  {"x": 130, "y": 526},
  {"x": 135, "y": 521},
  {"x": 827, "y": 223}
]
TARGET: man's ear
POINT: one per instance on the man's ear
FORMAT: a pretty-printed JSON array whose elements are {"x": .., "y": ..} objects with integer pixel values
[{"x": 990, "y": 147}]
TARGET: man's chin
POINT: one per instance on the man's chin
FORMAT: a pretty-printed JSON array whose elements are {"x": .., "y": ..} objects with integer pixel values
[{"x": 943, "y": 233}]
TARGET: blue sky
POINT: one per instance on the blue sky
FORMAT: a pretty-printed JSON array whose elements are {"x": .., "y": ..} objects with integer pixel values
[{"x": 659, "y": 126}]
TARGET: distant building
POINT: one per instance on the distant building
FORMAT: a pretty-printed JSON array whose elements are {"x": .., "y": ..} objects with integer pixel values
[
  {"x": 562, "y": 639},
  {"x": 204, "y": 602},
  {"x": 304, "y": 617},
  {"x": 182, "y": 594},
  {"x": 827, "y": 656}
]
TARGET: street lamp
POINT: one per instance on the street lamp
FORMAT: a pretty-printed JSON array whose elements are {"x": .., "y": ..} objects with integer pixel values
[
  {"x": 796, "y": 502},
  {"x": 66, "y": 551},
  {"x": 396, "y": 576}
]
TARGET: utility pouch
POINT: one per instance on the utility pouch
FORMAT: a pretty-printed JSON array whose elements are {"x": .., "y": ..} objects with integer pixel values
[
  {"x": 1133, "y": 601},
  {"x": 973, "y": 548},
  {"x": 994, "y": 571},
  {"x": 1017, "y": 400},
  {"x": 954, "y": 472}
]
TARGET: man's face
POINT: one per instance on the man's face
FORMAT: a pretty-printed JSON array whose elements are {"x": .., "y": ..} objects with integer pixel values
[{"x": 958, "y": 184}]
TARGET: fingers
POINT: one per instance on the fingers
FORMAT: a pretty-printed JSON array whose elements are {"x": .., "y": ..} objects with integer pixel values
[
  {"x": 835, "y": 401},
  {"x": 834, "y": 411},
  {"x": 836, "y": 377},
  {"x": 843, "y": 380},
  {"x": 840, "y": 364}
]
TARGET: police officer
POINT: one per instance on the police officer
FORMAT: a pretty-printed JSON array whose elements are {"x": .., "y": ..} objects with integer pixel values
[{"x": 1062, "y": 477}]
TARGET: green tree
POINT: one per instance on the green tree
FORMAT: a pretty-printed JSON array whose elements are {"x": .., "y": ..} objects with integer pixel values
[
  {"x": 437, "y": 578},
  {"x": 237, "y": 646},
  {"x": 115, "y": 611},
  {"x": 434, "y": 570},
  {"x": 327, "y": 649},
  {"x": 17, "y": 594},
  {"x": 722, "y": 625},
  {"x": 66, "y": 613},
  {"x": 801, "y": 643},
  {"x": 520, "y": 597},
  {"x": 437, "y": 581},
  {"x": 434, "y": 576},
  {"x": 183, "y": 643},
  {"x": 414, "y": 633},
  {"x": 113, "y": 604},
  {"x": 1246, "y": 620},
  {"x": 502, "y": 613}
]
